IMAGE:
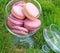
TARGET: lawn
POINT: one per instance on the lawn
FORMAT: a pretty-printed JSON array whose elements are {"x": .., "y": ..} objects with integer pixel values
[{"x": 51, "y": 14}]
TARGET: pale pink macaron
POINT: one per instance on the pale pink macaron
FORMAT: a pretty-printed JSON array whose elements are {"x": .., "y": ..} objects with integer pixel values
[
  {"x": 15, "y": 21},
  {"x": 20, "y": 30},
  {"x": 17, "y": 11},
  {"x": 31, "y": 25},
  {"x": 20, "y": 3},
  {"x": 30, "y": 11}
]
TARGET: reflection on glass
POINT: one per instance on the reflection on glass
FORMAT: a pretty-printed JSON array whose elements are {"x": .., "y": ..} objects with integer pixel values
[{"x": 52, "y": 37}]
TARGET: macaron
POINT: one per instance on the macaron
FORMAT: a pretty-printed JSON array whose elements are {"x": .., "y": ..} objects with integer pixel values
[
  {"x": 15, "y": 21},
  {"x": 10, "y": 25},
  {"x": 17, "y": 11},
  {"x": 31, "y": 25},
  {"x": 30, "y": 11},
  {"x": 21, "y": 3},
  {"x": 20, "y": 30}
]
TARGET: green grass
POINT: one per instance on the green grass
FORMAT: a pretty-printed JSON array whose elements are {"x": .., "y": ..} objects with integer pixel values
[{"x": 51, "y": 14}]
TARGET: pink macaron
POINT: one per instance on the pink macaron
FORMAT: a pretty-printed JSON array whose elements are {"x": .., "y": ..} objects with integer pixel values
[
  {"x": 10, "y": 25},
  {"x": 30, "y": 11},
  {"x": 31, "y": 25},
  {"x": 21, "y": 3},
  {"x": 20, "y": 30},
  {"x": 17, "y": 11},
  {"x": 15, "y": 21}
]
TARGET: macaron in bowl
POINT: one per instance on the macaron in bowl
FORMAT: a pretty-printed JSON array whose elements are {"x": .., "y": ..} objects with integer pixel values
[
  {"x": 31, "y": 25},
  {"x": 15, "y": 21},
  {"x": 30, "y": 11},
  {"x": 17, "y": 12},
  {"x": 20, "y": 30}
]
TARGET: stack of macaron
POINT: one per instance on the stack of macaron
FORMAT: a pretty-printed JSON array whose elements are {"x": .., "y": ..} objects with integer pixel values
[{"x": 24, "y": 18}]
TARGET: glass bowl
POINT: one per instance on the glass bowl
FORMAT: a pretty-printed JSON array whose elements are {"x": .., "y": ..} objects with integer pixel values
[
  {"x": 52, "y": 37},
  {"x": 8, "y": 11},
  {"x": 21, "y": 38}
]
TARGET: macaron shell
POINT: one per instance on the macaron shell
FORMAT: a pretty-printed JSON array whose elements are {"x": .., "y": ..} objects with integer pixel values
[
  {"x": 31, "y": 11},
  {"x": 21, "y": 3},
  {"x": 11, "y": 25},
  {"x": 13, "y": 17},
  {"x": 32, "y": 24},
  {"x": 17, "y": 12},
  {"x": 15, "y": 22},
  {"x": 20, "y": 28},
  {"x": 19, "y": 32},
  {"x": 30, "y": 28},
  {"x": 28, "y": 15}
]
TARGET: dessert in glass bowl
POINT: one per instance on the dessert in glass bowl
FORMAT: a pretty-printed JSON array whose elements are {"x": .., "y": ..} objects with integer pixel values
[{"x": 22, "y": 18}]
